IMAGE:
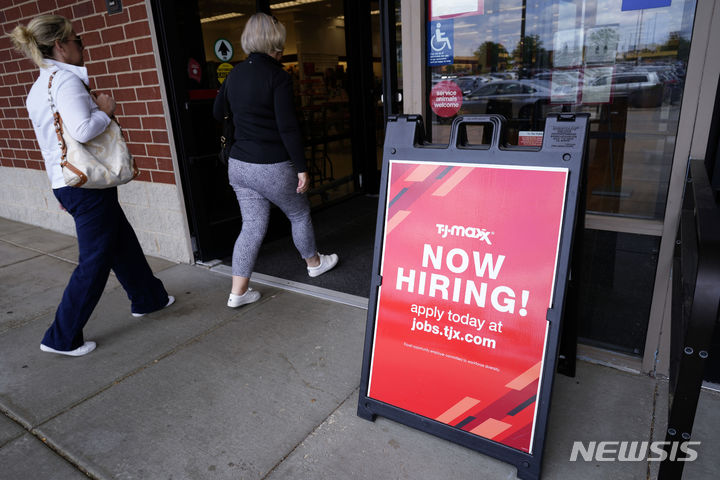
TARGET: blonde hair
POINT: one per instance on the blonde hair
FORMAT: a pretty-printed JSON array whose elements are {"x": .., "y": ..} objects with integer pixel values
[
  {"x": 264, "y": 34},
  {"x": 36, "y": 41}
]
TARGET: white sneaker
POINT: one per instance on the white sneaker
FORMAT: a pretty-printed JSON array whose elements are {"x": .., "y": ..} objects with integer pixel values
[
  {"x": 83, "y": 349},
  {"x": 249, "y": 296},
  {"x": 171, "y": 300},
  {"x": 327, "y": 262}
]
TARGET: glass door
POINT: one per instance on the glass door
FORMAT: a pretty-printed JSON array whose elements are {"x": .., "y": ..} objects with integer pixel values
[
  {"x": 316, "y": 57},
  {"x": 334, "y": 86},
  {"x": 192, "y": 75},
  {"x": 623, "y": 62}
]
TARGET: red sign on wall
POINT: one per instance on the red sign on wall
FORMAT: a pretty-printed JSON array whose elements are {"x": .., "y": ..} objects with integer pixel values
[{"x": 468, "y": 267}]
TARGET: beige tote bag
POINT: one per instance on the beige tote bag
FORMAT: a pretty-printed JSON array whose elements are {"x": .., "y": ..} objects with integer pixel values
[{"x": 102, "y": 162}]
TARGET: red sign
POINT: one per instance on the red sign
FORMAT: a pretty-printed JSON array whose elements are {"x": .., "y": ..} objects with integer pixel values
[
  {"x": 530, "y": 139},
  {"x": 194, "y": 70},
  {"x": 446, "y": 98},
  {"x": 468, "y": 267}
]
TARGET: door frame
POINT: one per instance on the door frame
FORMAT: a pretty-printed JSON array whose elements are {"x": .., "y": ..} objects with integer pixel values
[
  {"x": 172, "y": 72},
  {"x": 173, "y": 61},
  {"x": 358, "y": 48},
  {"x": 701, "y": 86},
  {"x": 388, "y": 41}
]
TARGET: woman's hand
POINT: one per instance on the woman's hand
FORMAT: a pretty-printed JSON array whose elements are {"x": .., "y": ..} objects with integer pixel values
[
  {"x": 105, "y": 103},
  {"x": 303, "y": 182}
]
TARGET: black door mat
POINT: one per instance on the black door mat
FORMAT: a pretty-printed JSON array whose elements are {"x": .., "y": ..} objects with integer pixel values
[{"x": 347, "y": 229}]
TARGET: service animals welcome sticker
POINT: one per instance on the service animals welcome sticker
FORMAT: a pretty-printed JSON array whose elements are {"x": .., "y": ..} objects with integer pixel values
[{"x": 446, "y": 98}]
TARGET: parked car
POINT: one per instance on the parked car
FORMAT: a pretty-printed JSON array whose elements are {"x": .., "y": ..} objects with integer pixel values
[
  {"x": 560, "y": 77},
  {"x": 671, "y": 80},
  {"x": 469, "y": 83},
  {"x": 515, "y": 99},
  {"x": 642, "y": 89},
  {"x": 672, "y": 86},
  {"x": 503, "y": 75}
]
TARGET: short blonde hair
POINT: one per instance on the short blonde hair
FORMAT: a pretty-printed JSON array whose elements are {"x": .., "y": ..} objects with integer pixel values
[
  {"x": 264, "y": 34},
  {"x": 37, "y": 40}
]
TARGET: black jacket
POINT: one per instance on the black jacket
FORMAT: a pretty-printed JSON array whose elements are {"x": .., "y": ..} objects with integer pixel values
[{"x": 260, "y": 93}]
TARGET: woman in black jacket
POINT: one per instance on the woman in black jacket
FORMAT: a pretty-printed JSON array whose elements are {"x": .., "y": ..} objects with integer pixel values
[{"x": 267, "y": 161}]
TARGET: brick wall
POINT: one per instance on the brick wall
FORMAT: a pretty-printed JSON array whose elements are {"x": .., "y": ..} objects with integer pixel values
[{"x": 120, "y": 62}]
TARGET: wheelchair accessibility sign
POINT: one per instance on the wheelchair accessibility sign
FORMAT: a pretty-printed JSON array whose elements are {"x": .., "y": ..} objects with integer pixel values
[{"x": 441, "y": 42}]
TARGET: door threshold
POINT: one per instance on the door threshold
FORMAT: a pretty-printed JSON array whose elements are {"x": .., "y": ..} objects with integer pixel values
[
  {"x": 297, "y": 287},
  {"x": 609, "y": 358}
]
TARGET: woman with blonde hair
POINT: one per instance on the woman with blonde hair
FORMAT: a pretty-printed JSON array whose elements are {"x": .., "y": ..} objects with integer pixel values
[
  {"x": 267, "y": 159},
  {"x": 106, "y": 241}
]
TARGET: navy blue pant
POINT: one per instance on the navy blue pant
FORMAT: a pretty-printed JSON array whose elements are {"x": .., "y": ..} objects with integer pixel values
[{"x": 106, "y": 241}]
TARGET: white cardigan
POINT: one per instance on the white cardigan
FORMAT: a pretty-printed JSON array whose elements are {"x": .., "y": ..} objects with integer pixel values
[{"x": 82, "y": 119}]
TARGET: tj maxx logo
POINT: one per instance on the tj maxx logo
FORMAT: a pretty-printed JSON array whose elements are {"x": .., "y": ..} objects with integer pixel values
[{"x": 459, "y": 231}]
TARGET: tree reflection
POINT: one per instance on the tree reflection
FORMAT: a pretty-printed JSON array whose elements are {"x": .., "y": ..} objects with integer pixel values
[
  {"x": 492, "y": 57},
  {"x": 529, "y": 54}
]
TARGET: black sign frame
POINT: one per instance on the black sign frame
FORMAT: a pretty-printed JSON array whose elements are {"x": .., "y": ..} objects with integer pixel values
[{"x": 564, "y": 145}]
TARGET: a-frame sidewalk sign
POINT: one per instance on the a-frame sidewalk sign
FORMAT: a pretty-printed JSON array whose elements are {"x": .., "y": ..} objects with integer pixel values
[{"x": 471, "y": 263}]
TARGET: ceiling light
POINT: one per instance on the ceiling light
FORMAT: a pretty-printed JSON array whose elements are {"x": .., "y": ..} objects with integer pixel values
[
  {"x": 224, "y": 16},
  {"x": 294, "y": 3}
]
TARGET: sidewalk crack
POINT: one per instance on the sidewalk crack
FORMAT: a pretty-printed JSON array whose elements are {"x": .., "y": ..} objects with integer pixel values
[{"x": 315, "y": 429}]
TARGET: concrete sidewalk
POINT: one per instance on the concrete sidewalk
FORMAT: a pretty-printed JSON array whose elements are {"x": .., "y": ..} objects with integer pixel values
[{"x": 267, "y": 391}]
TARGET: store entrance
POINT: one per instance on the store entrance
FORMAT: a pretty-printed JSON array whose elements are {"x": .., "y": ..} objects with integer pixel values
[{"x": 337, "y": 85}]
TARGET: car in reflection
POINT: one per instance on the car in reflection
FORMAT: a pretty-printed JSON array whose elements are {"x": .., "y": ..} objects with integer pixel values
[
  {"x": 469, "y": 83},
  {"x": 515, "y": 99},
  {"x": 673, "y": 86},
  {"x": 559, "y": 77},
  {"x": 503, "y": 75},
  {"x": 640, "y": 89},
  {"x": 671, "y": 79}
]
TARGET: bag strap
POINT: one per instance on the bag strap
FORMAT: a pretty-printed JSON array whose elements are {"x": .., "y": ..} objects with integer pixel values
[
  {"x": 57, "y": 121},
  {"x": 227, "y": 119},
  {"x": 228, "y": 112}
]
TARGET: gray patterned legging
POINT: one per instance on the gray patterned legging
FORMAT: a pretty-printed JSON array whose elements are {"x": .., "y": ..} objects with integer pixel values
[{"x": 256, "y": 185}]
